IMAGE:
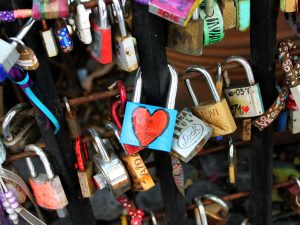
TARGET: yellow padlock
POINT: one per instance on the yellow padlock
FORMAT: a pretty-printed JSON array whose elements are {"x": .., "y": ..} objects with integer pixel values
[{"x": 216, "y": 113}]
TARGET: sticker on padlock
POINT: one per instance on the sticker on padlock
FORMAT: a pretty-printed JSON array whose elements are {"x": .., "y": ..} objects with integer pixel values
[
  {"x": 242, "y": 15},
  {"x": 48, "y": 40},
  {"x": 289, "y": 6},
  {"x": 47, "y": 187},
  {"x": 83, "y": 24},
  {"x": 50, "y": 9},
  {"x": 190, "y": 135},
  {"x": 63, "y": 36},
  {"x": 151, "y": 126},
  {"x": 176, "y": 11},
  {"x": 229, "y": 14},
  {"x": 216, "y": 113},
  {"x": 245, "y": 100}
]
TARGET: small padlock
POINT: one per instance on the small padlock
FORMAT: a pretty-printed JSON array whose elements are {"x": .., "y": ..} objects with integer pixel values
[
  {"x": 140, "y": 176},
  {"x": 292, "y": 195},
  {"x": 242, "y": 14},
  {"x": 190, "y": 135},
  {"x": 232, "y": 159},
  {"x": 72, "y": 120},
  {"x": 47, "y": 187},
  {"x": 50, "y": 9},
  {"x": 126, "y": 56},
  {"x": 101, "y": 47},
  {"x": 151, "y": 126},
  {"x": 63, "y": 36},
  {"x": 294, "y": 124},
  {"x": 217, "y": 113},
  {"x": 19, "y": 128},
  {"x": 289, "y": 6},
  {"x": 229, "y": 14},
  {"x": 244, "y": 101},
  {"x": 83, "y": 24},
  {"x": 113, "y": 174},
  {"x": 188, "y": 39},
  {"x": 48, "y": 40}
]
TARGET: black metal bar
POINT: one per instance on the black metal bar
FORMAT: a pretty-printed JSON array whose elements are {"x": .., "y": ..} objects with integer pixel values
[
  {"x": 150, "y": 33},
  {"x": 263, "y": 50}
]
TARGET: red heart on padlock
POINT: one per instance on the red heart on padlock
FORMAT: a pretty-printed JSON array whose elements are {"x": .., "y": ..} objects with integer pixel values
[
  {"x": 146, "y": 126},
  {"x": 245, "y": 108}
]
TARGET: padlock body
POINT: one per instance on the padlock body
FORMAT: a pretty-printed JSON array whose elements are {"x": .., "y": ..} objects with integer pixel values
[
  {"x": 64, "y": 39},
  {"x": 28, "y": 59},
  {"x": 217, "y": 115},
  {"x": 17, "y": 190},
  {"x": 188, "y": 39},
  {"x": 126, "y": 57},
  {"x": 101, "y": 47},
  {"x": 50, "y": 9},
  {"x": 190, "y": 135},
  {"x": 294, "y": 122},
  {"x": 73, "y": 126},
  {"x": 229, "y": 14},
  {"x": 49, "y": 42},
  {"x": 296, "y": 94},
  {"x": 86, "y": 180},
  {"x": 49, "y": 194},
  {"x": 289, "y": 6},
  {"x": 214, "y": 215},
  {"x": 141, "y": 179},
  {"x": 8, "y": 56},
  {"x": 245, "y": 101}
]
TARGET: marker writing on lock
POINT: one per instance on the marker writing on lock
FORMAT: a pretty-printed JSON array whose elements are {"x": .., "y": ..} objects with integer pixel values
[
  {"x": 214, "y": 30},
  {"x": 168, "y": 15},
  {"x": 140, "y": 166},
  {"x": 190, "y": 134},
  {"x": 237, "y": 108},
  {"x": 239, "y": 91}
]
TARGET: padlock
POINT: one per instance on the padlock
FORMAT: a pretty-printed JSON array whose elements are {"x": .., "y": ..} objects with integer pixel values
[
  {"x": 244, "y": 101},
  {"x": 199, "y": 212},
  {"x": 229, "y": 14},
  {"x": 47, "y": 187},
  {"x": 294, "y": 124},
  {"x": 19, "y": 128},
  {"x": 101, "y": 47},
  {"x": 141, "y": 179},
  {"x": 48, "y": 40},
  {"x": 217, "y": 113},
  {"x": 291, "y": 195},
  {"x": 213, "y": 25},
  {"x": 83, "y": 24},
  {"x": 50, "y": 9},
  {"x": 113, "y": 174},
  {"x": 126, "y": 56},
  {"x": 176, "y": 11},
  {"x": 190, "y": 135},
  {"x": 242, "y": 14},
  {"x": 63, "y": 36},
  {"x": 289, "y": 6},
  {"x": 72, "y": 120},
  {"x": 151, "y": 126},
  {"x": 232, "y": 159},
  {"x": 188, "y": 39}
]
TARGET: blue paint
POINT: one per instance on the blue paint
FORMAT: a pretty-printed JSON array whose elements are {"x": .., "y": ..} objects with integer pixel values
[{"x": 3, "y": 74}]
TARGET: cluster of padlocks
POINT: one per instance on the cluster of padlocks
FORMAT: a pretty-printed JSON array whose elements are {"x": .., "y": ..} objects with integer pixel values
[{"x": 116, "y": 163}]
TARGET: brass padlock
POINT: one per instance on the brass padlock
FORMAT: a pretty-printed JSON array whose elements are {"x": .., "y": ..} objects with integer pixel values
[
  {"x": 216, "y": 113},
  {"x": 229, "y": 14},
  {"x": 289, "y": 6}
]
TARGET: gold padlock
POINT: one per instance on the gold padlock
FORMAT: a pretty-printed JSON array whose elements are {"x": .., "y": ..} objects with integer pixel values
[
  {"x": 216, "y": 113},
  {"x": 229, "y": 14},
  {"x": 289, "y": 6}
]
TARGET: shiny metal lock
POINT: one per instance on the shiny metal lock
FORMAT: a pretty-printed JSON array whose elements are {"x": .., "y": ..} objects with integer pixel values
[
  {"x": 216, "y": 113},
  {"x": 101, "y": 47},
  {"x": 292, "y": 195},
  {"x": 245, "y": 222},
  {"x": 47, "y": 188},
  {"x": 63, "y": 36},
  {"x": 245, "y": 101},
  {"x": 199, "y": 212},
  {"x": 72, "y": 120},
  {"x": 48, "y": 40},
  {"x": 229, "y": 14},
  {"x": 190, "y": 135},
  {"x": 294, "y": 122},
  {"x": 188, "y": 39},
  {"x": 140, "y": 176},
  {"x": 19, "y": 128},
  {"x": 83, "y": 24},
  {"x": 112, "y": 171},
  {"x": 242, "y": 15},
  {"x": 126, "y": 56},
  {"x": 289, "y": 6}
]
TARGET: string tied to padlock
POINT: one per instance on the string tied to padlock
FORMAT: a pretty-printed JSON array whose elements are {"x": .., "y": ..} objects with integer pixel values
[{"x": 25, "y": 83}]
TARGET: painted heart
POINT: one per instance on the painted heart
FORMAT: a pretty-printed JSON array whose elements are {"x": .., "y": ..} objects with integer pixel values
[
  {"x": 245, "y": 108},
  {"x": 146, "y": 126}
]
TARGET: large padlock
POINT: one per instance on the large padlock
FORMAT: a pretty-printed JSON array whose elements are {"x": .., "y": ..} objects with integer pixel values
[
  {"x": 47, "y": 187},
  {"x": 48, "y": 40},
  {"x": 242, "y": 14},
  {"x": 19, "y": 128},
  {"x": 101, "y": 47},
  {"x": 294, "y": 122},
  {"x": 151, "y": 126},
  {"x": 83, "y": 24},
  {"x": 289, "y": 6},
  {"x": 112, "y": 172},
  {"x": 229, "y": 14},
  {"x": 63, "y": 36},
  {"x": 126, "y": 56},
  {"x": 217, "y": 112},
  {"x": 190, "y": 135},
  {"x": 188, "y": 39},
  {"x": 53, "y": 9},
  {"x": 140, "y": 176},
  {"x": 246, "y": 100},
  {"x": 292, "y": 195}
]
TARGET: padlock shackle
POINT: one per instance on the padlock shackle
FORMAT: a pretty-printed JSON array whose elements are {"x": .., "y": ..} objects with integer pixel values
[
  {"x": 99, "y": 145},
  {"x": 138, "y": 84},
  {"x": 196, "y": 14},
  {"x": 43, "y": 157},
  {"x": 113, "y": 127},
  {"x": 209, "y": 80},
  {"x": 209, "y": 8},
  {"x": 10, "y": 115},
  {"x": 25, "y": 29},
  {"x": 245, "y": 221},
  {"x": 119, "y": 12},
  {"x": 245, "y": 65},
  {"x": 2, "y": 153},
  {"x": 102, "y": 14},
  {"x": 18, "y": 42},
  {"x": 202, "y": 214},
  {"x": 219, "y": 201},
  {"x": 153, "y": 218}
]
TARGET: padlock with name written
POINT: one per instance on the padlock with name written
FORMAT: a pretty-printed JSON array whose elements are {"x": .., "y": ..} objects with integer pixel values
[
  {"x": 216, "y": 113},
  {"x": 101, "y": 47},
  {"x": 48, "y": 40},
  {"x": 110, "y": 169},
  {"x": 229, "y": 14},
  {"x": 141, "y": 179},
  {"x": 47, "y": 187},
  {"x": 289, "y": 6},
  {"x": 245, "y": 101},
  {"x": 52, "y": 9},
  {"x": 83, "y": 24},
  {"x": 63, "y": 36},
  {"x": 188, "y": 39},
  {"x": 291, "y": 195},
  {"x": 151, "y": 126},
  {"x": 72, "y": 120},
  {"x": 242, "y": 14},
  {"x": 19, "y": 128}
]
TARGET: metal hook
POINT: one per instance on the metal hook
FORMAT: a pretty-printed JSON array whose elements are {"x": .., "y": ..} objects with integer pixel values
[
  {"x": 118, "y": 9},
  {"x": 201, "y": 219},
  {"x": 153, "y": 218},
  {"x": 218, "y": 201}
]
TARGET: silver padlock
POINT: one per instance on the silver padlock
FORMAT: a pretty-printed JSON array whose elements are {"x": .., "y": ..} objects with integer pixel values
[
  {"x": 246, "y": 100},
  {"x": 83, "y": 25},
  {"x": 19, "y": 128},
  {"x": 113, "y": 174},
  {"x": 47, "y": 188},
  {"x": 126, "y": 56}
]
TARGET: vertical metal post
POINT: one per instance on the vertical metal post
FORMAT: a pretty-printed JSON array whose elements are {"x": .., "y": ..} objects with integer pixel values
[
  {"x": 263, "y": 50},
  {"x": 150, "y": 33}
]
